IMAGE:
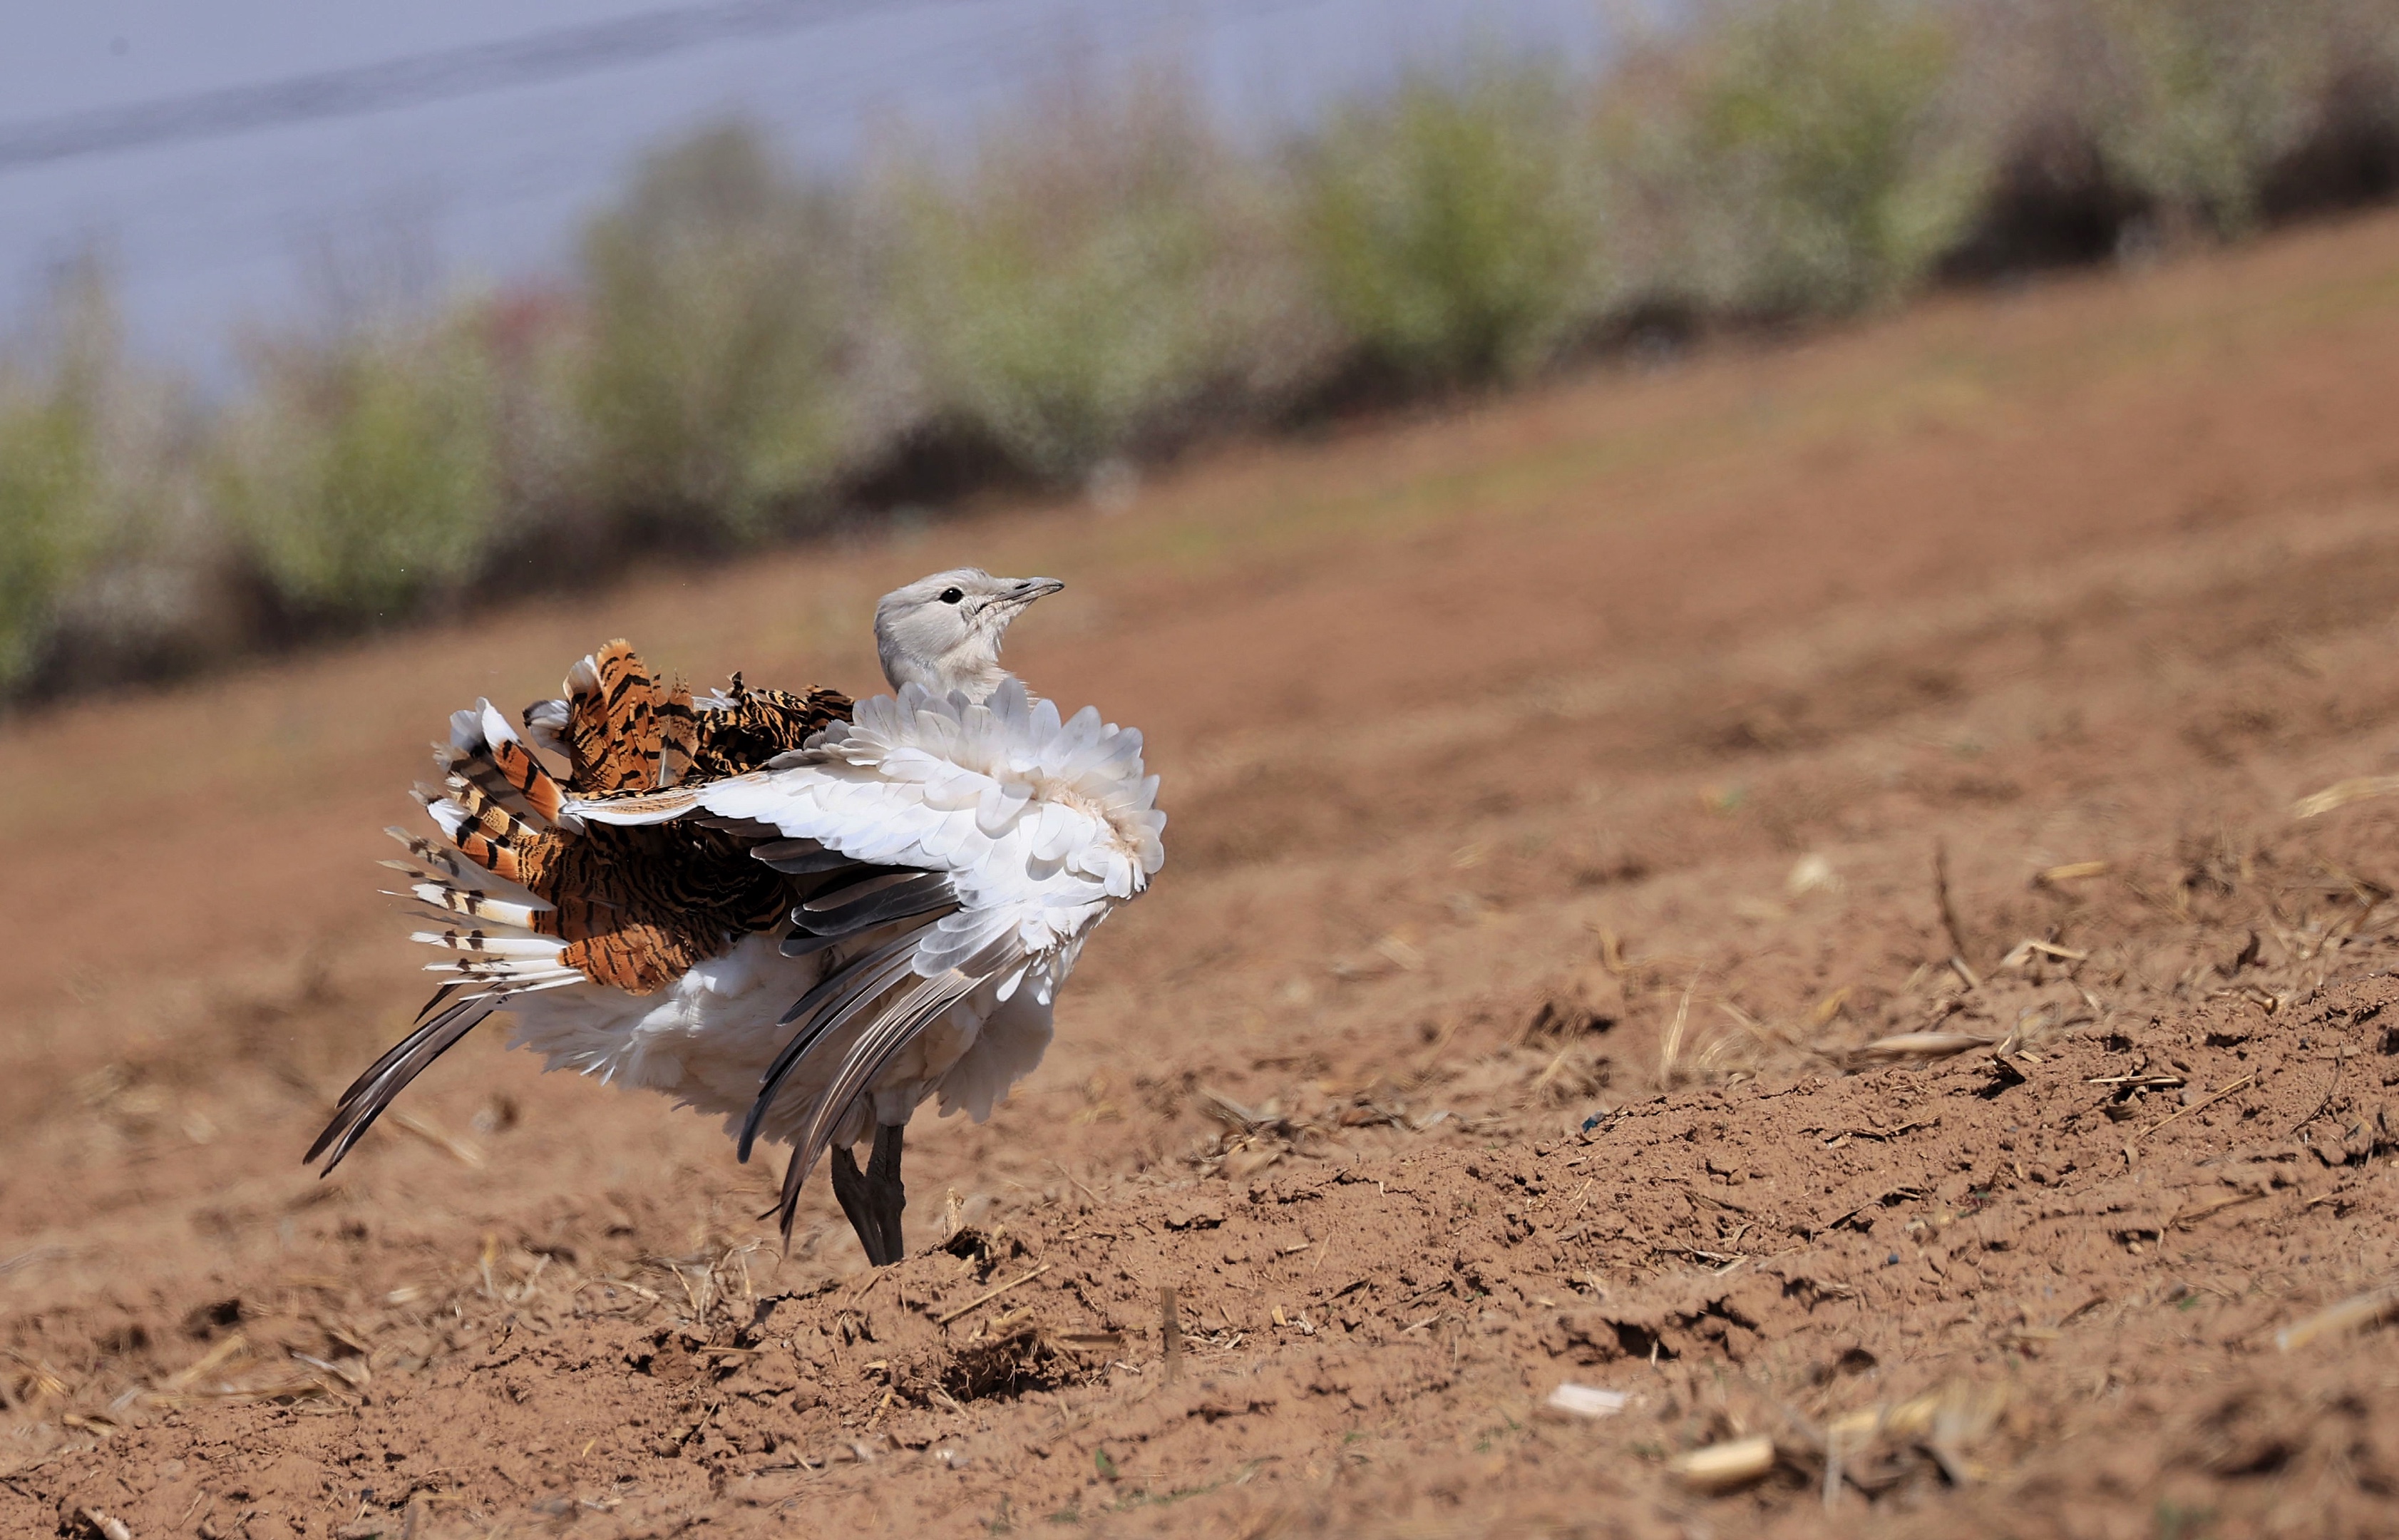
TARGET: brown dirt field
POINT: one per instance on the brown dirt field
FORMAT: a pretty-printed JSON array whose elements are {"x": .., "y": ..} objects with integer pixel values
[{"x": 1558, "y": 790}]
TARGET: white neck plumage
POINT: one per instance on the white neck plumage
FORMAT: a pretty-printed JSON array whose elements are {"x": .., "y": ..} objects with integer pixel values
[{"x": 975, "y": 680}]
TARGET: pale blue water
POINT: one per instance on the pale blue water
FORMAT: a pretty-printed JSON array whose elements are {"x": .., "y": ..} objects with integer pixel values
[{"x": 492, "y": 179}]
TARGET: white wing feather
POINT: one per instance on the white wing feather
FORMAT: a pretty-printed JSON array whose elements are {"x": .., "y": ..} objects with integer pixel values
[
  {"x": 1039, "y": 827},
  {"x": 1042, "y": 826}
]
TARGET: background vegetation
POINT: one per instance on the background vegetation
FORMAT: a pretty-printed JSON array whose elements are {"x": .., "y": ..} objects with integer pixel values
[{"x": 742, "y": 355}]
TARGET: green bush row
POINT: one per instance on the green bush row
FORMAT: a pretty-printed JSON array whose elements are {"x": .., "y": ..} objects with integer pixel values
[{"x": 743, "y": 352}]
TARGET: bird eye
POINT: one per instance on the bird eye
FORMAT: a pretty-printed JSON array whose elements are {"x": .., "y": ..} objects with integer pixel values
[{"x": 951, "y": 596}]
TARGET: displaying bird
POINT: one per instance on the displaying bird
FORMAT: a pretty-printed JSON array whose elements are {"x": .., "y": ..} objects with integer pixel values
[{"x": 810, "y": 915}]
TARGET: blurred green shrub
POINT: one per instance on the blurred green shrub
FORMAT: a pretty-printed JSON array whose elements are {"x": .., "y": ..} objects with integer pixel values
[
  {"x": 1455, "y": 229},
  {"x": 54, "y": 487},
  {"x": 535, "y": 347},
  {"x": 1102, "y": 267},
  {"x": 1107, "y": 277},
  {"x": 49, "y": 492},
  {"x": 1812, "y": 169},
  {"x": 719, "y": 297},
  {"x": 2209, "y": 94},
  {"x": 359, "y": 474}
]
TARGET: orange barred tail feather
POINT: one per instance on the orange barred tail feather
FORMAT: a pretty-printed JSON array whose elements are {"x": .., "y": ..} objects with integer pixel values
[
  {"x": 482, "y": 745},
  {"x": 679, "y": 736},
  {"x": 486, "y": 832},
  {"x": 525, "y": 775},
  {"x": 744, "y": 729},
  {"x": 626, "y": 729}
]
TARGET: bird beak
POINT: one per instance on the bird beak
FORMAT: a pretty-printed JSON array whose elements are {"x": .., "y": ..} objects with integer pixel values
[{"x": 1030, "y": 588}]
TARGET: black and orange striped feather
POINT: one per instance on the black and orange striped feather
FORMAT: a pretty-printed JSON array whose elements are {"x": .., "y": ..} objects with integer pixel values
[{"x": 639, "y": 906}]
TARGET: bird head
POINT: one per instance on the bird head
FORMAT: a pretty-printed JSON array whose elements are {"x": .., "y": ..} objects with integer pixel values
[{"x": 943, "y": 631}]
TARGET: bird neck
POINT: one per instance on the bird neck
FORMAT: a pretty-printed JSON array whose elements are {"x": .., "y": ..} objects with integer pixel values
[
  {"x": 974, "y": 678},
  {"x": 976, "y": 682}
]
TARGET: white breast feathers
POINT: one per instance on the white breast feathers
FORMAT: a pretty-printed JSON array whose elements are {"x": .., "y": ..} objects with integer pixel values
[{"x": 991, "y": 837}]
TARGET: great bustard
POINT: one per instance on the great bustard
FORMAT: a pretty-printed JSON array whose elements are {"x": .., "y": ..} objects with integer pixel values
[{"x": 809, "y": 915}]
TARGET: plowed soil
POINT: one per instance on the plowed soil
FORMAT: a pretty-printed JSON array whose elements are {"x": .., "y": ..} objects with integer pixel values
[{"x": 1773, "y": 885}]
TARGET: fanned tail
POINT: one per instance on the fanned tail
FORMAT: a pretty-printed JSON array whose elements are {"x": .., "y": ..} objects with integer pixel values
[
  {"x": 484, "y": 873},
  {"x": 527, "y": 895}
]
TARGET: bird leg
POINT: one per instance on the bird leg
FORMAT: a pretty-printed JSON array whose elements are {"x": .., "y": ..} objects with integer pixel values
[
  {"x": 885, "y": 1196},
  {"x": 851, "y": 1186}
]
